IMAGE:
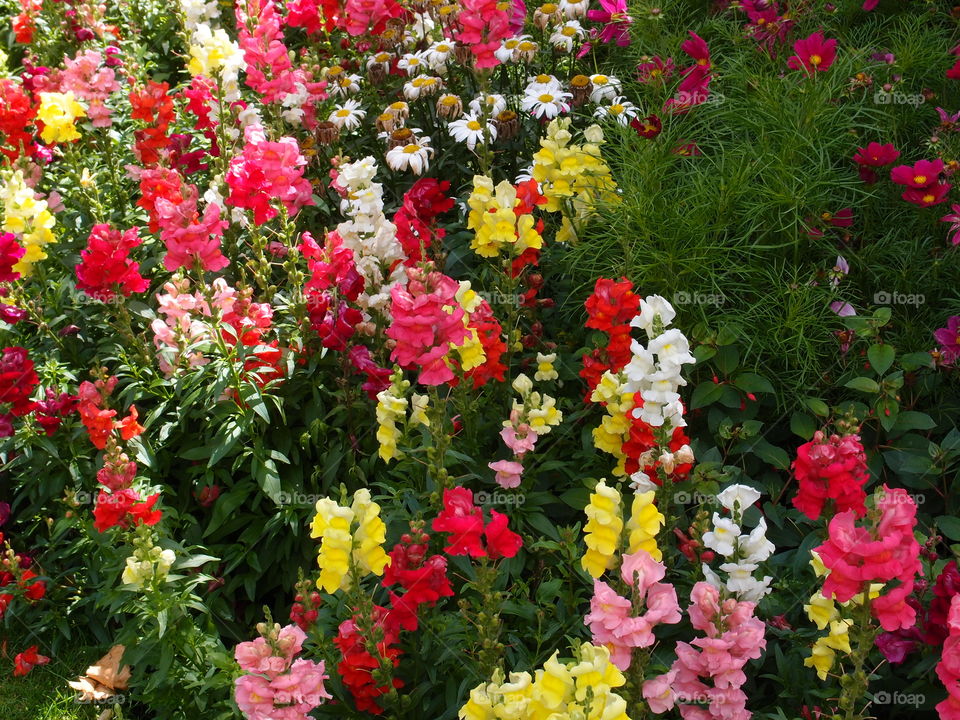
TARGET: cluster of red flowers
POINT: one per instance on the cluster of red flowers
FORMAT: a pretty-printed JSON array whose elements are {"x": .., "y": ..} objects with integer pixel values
[
  {"x": 154, "y": 106},
  {"x": 768, "y": 24},
  {"x": 490, "y": 335},
  {"x": 105, "y": 266},
  {"x": 24, "y": 23},
  {"x": 830, "y": 469},
  {"x": 313, "y": 15},
  {"x": 924, "y": 186},
  {"x": 874, "y": 155},
  {"x": 423, "y": 578},
  {"x": 642, "y": 439},
  {"x": 17, "y": 382},
  {"x": 305, "y": 609},
  {"x": 250, "y": 322},
  {"x": 334, "y": 282},
  {"x": 17, "y": 114},
  {"x": 358, "y": 664},
  {"x": 610, "y": 307},
  {"x": 467, "y": 530},
  {"x": 15, "y": 574},
  {"x": 860, "y": 556},
  {"x": 415, "y": 220}
]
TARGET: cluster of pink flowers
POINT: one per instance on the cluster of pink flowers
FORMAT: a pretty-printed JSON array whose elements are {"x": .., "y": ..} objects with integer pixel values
[
  {"x": 183, "y": 327},
  {"x": 521, "y": 439},
  {"x": 270, "y": 70},
  {"x": 105, "y": 267},
  {"x": 482, "y": 26},
  {"x": 694, "y": 89},
  {"x": 874, "y": 155},
  {"x": 860, "y": 556},
  {"x": 612, "y": 618},
  {"x": 361, "y": 16},
  {"x": 769, "y": 23},
  {"x": 948, "y": 669},
  {"x": 190, "y": 238},
  {"x": 276, "y": 686},
  {"x": 733, "y": 636},
  {"x": 924, "y": 186},
  {"x": 427, "y": 322},
  {"x": 830, "y": 469},
  {"x": 89, "y": 79},
  {"x": 267, "y": 171}
]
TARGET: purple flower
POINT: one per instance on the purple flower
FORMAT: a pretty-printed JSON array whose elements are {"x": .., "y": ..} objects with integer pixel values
[
  {"x": 895, "y": 646},
  {"x": 843, "y": 309},
  {"x": 954, "y": 218},
  {"x": 4, "y": 513}
]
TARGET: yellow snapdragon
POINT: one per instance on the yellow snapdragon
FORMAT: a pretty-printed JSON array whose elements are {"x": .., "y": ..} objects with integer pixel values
[
  {"x": 614, "y": 428},
  {"x": 28, "y": 218},
  {"x": 603, "y": 528},
  {"x": 338, "y": 546},
  {"x": 644, "y": 525},
  {"x": 147, "y": 565},
  {"x": 59, "y": 112},
  {"x": 494, "y": 222}
]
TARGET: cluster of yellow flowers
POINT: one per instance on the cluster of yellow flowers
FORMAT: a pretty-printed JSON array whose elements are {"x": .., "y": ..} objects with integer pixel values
[
  {"x": 614, "y": 429},
  {"x": 27, "y": 217},
  {"x": 340, "y": 548},
  {"x": 59, "y": 112},
  {"x": 471, "y": 352},
  {"x": 824, "y": 613},
  {"x": 494, "y": 222},
  {"x": 582, "y": 689},
  {"x": 575, "y": 179},
  {"x": 147, "y": 564},
  {"x": 538, "y": 410},
  {"x": 605, "y": 526},
  {"x": 392, "y": 407}
]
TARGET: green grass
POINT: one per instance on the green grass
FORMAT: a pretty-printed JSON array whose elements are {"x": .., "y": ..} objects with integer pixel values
[{"x": 43, "y": 694}]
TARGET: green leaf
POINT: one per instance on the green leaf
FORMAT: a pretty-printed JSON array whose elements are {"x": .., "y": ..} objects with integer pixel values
[
  {"x": 949, "y": 526},
  {"x": 803, "y": 425},
  {"x": 915, "y": 361},
  {"x": 727, "y": 359},
  {"x": 908, "y": 463},
  {"x": 817, "y": 406},
  {"x": 881, "y": 357},
  {"x": 751, "y": 382},
  {"x": 913, "y": 420},
  {"x": 706, "y": 393},
  {"x": 704, "y": 352},
  {"x": 863, "y": 384}
]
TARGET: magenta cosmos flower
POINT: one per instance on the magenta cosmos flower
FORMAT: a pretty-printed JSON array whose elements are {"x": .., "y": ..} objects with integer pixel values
[
  {"x": 953, "y": 217},
  {"x": 616, "y": 21},
  {"x": 813, "y": 54},
  {"x": 949, "y": 339}
]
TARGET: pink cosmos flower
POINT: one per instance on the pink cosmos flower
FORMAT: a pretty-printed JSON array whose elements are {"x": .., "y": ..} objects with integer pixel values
[
  {"x": 813, "y": 54},
  {"x": 949, "y": 339},
  {"x": 919, "y": 175},
  {"x": 616, "y": 22}
]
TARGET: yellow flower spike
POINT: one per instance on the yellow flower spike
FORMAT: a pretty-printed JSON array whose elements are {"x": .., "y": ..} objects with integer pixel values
[
  {"x": 603, "y": 528},
  {"x": 644, "y": 525},
  {"x": 370, "y": 535},
  {"x": 821, "y": 658},
  {"x": 839, "y": 639},
  {"x": 821, "y": 610},
  {"x": 59, "y": 111},
  {"x": 555, "y": 685}
]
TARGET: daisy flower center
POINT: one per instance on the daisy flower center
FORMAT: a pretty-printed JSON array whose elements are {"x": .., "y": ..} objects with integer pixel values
[
  {"x": 411, "y": 148},
  {"x": 600, "y": 79},
  {"x": 474, "y": 125},
  {"x": 546, "y": 98}
]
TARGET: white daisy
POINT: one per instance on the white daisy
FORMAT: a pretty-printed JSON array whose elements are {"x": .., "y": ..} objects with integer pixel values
[
  {"x": 438, "y": 54},
  {"x": 541, "y": 84},
  {"x": 605, "y": 87},
  {"x": 527, "y": 50},
  {"x": 412, "y": 63},
  {"x": 507, "y": 52},
  {"x": 574, "y": 9},
  {"x": 494, "y": 104},
  {"x": 546, "y": 104},
  {"x": 564, "y": 36},
  {"x": 347, "y": 116},
  {"x": 422, "y": 86},
  {"x": 414, "y": 156},
  {"x": 621, "y": 110},
  {"x": 469, "y": 130},
  {"x": 345, "y": 85},
  {"x": 383, "y": 59}
]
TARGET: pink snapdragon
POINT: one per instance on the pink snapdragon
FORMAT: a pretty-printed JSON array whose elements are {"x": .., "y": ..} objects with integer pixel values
[
  {"x": 858, "y": 557},
  {"x": 733, "y": 636},
  {"x": 427, "y": 322},
  {"x": 89, "y": 79},
  {"x": 483, "y": 25},
  {"x": 277, "y": 685},
  {"x": 267, "y": 171},
  {"x": 191, "y": 238},
  {"x": 948, "y": 669},
  {"x": 611, "y": 618}
]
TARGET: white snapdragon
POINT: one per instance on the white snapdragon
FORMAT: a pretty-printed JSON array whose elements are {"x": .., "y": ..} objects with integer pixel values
[{"x": 743, "y": 551}]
